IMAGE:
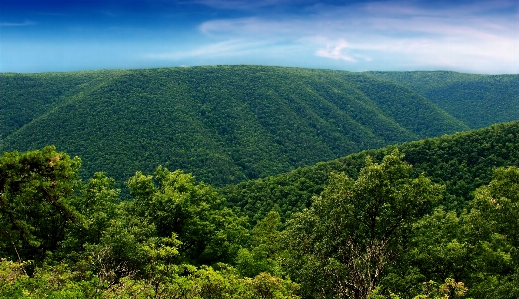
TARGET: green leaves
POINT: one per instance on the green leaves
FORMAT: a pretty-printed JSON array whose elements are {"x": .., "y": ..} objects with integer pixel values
[
  {"x": 357, "y": 227},
  {"x": 174, "y": 202},
  {"x": 36, "y": 190},
  {"x": 225, "y": 124}
]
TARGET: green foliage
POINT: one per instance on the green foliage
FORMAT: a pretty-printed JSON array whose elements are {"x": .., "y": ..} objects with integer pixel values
[
  {"x": 494, "y": 220},
  {"x": 476, "y": 100},
  {"x": 364, "y": 226},
  {"x": 182, "y": 282},
  {"x": 112, "y": 249},
  {"x": 208, "y": 230},
  {"x": 357, "y": 227},
  {"x": 97, "y": 205},
  {"x": 448, "y": 290},
  {"x": 25, "y": 98},
  {"x": 462, "y": 162},
  {"x": 36, "y": 191},
  {"x": 477, "y": 246},
  {"x": 130, "y": 246},
  {"x": 224, "y": 124},
  {"x": 264, "y": 252}
]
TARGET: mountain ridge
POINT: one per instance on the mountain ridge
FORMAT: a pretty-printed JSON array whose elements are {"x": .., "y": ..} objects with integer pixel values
[{"x": 225, "y": 124}]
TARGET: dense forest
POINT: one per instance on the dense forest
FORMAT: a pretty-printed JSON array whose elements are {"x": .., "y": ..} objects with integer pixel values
[
  {"x": 456, "y": 93},
  {"x": 435, "y": 218},
  {"x": 259, "y": 182},
  {"x": 461, "y": 162},
  {"x": 229, "y": 124}
]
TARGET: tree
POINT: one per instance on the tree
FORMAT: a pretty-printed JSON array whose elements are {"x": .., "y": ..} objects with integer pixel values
[
  {"x": 264, "y": 250},
  {"x": 355, "y": 228},
  {"x": 35, "y": 193},
  {"x": 97, "y": 202},
  {"x": 175, "y": 203},
  {"x": 494, "y": 235},
  {"x": 477, "y": 246}
]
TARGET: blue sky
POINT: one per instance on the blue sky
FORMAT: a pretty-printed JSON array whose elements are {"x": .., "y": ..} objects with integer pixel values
[{"x": 464, "y": 36}]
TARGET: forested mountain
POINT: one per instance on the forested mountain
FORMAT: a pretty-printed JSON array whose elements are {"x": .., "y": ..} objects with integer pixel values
[
  {"x": 462, "y": 162},
  {"x": 476, "y": 100},
  {"x": 224, "y": 124}
]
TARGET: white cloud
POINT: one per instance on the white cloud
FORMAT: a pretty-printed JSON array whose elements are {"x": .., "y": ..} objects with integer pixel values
[
  {"x": 26, "y": 23},
  {"x": 473, "y": 37},
  {"x": 335, "y": 51},
  {"x": 253, "y": 27},
  {"x": 230, "y": 48}
]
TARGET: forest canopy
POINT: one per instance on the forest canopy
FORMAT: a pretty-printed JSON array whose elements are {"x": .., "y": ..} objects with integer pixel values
[
  {"x": 229, "y": 124},
  {"x": 386, "y": 231},
  {"x": 202, "y": 182}
]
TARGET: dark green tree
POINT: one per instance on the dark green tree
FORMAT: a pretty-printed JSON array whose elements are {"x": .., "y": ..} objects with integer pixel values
[
  {"x": 476, "y": 246},
  {"x": 175, "y": 203},
  {"x": 264, "y": 251},
  {"x": 36, "y": 189},
  {"x": 97, "y": 202},
  {"x": 494, "y": 236},
  {"x": 342, "y": 244}
]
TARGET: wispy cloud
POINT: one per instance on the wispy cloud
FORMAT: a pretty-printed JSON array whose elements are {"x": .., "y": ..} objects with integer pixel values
[
  {"x": 230, "y": 48},
  {"x": 470, "y": 36},
  {"x": 9, "y": 24},
  {"x": 336, "y": 51},
  {"x": 253, "y": 27}
]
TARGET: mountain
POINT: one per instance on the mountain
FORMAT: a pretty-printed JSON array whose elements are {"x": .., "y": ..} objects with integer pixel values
[
  {"x": 476, "y": 100},
  {"x": 462, "y": 162},
  {"x": 225, "y": 124}
]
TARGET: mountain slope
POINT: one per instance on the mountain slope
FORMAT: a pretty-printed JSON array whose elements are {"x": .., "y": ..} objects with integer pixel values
[
  {"x": 476, "y": 100},
  {"x": 225, "y": 124},
  {"x": 462, "y": 162},
  {"x": 27, "y": 97}
]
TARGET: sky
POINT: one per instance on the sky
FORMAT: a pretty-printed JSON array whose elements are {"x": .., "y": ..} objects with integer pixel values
[{"x": 71, "y": 35}]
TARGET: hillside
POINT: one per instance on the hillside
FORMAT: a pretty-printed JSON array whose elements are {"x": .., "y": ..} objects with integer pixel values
[
  {"x": 462, "y": 162},
  {"x": 476, "y": 100},
  {"x": 225, "y": 124},
  {"x": 387, "y": 225}
]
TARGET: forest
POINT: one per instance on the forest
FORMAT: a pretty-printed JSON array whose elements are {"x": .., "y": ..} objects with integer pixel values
[
  {"x": 230, "y": 124},
  {"x": 434, "y": 218},
  {"x": 259, "y": 182}
]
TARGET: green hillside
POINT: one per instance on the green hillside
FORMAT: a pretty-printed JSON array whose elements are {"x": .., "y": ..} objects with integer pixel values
[
  {"x": 476, "y": 100},
  {"x": 441, "y": 222},
  {"x": 24, "y": 98},
  {"x": 225, "y": 124},
  {"x": 462, "y": 162}
]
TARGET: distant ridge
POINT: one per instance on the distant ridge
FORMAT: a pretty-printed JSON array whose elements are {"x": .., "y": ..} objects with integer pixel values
[
  {"x": 476, "y": 100},
  {"x": 462, "y": 162},
  {"x": 225, "y": 124}
]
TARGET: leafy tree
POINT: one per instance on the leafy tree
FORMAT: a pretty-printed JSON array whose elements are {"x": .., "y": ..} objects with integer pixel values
[
  {"x": 494, "y": 234},
  {"x": 36, "y": 189},
  {"x": 227, "y": 124},
  {"x": 175, "y": 203},
  {"x": 97, "y": 203},
  {"x": 342, "y": 244},
  {"x": 477, "y": 246},
  {"x": 264, "y": 249}
]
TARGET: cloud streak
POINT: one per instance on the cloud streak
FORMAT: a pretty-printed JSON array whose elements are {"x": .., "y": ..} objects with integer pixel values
[
  {"x": 479, "y": 36},
  {"x": 22, "y": 24},
  {"x": 460, "y": 37},
  {"x": 230, "y": 48}
]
